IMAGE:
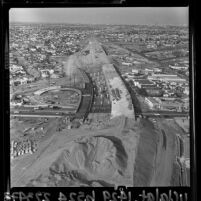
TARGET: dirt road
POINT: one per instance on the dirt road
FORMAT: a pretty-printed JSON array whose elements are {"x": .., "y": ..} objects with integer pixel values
[{"x": 166, "y": 155}]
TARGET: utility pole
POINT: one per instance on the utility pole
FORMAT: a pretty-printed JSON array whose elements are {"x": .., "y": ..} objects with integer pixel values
[
  {"x": 70, "y": 80},
  {"x": 74, "y": 79}
]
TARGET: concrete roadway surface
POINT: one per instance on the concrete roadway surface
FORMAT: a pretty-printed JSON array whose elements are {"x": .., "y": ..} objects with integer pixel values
[
  {"x": 42, "y": 113},
  {"x": 37, "y": 115},
  {"x": 163, "y": 114},
  {"x": 27, "y": 111}
]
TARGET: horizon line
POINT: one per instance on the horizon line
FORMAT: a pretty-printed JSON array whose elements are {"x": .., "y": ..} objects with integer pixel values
[{"x": 80, "y": 23}]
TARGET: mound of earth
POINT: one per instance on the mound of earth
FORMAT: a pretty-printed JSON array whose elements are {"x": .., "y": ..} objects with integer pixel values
[
  {"x": 127, "y": 153},
  {"x": 87, "y": 161}
]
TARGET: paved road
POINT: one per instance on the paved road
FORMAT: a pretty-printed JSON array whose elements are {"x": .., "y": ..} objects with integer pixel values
[
  {"x": 37, "y": 115},
  {"x": 164, "y": 114},
  {"x": 41, "y": 113}
]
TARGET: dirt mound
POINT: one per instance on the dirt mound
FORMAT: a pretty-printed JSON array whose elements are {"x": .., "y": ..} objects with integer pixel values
[{"x": 87, "y": 161}]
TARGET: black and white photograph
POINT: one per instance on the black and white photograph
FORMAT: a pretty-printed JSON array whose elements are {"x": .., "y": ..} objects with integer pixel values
[{"x": 99, "y": 97}]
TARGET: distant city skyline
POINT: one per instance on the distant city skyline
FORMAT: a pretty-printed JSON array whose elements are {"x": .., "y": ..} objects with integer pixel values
[{"x": 116, "y": 15}]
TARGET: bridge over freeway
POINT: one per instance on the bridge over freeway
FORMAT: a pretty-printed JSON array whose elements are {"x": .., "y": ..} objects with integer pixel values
[
  {"x": 37, "y": 115},
  {"x": 163, "y": 114}
]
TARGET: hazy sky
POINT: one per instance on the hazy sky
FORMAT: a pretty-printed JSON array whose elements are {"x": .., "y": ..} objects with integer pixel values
[{"x": 114, "y": 15}]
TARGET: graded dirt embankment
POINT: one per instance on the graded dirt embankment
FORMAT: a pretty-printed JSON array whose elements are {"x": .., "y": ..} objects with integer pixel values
[
  {"x": 166, "y": 156},
  {"x": 84, "y": 161},
  {"x": 83, "y": 158},
  {"x": 145, "y": 158},
  {"x": 126, "y": 153},
  {"x": 155, "y": 163}
]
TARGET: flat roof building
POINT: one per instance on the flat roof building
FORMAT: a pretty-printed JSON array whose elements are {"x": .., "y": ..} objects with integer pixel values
[{"x": 166, "y": 78}]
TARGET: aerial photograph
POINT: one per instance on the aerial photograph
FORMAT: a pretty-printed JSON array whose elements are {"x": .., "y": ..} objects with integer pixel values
[{"x": 99, "y": 97}]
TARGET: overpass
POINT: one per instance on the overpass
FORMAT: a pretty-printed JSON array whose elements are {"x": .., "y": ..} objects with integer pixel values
[
  {"x": 37, "y": 115},
  {"x": 42, "y": 113},
  {"x": 160, "y": 114}
]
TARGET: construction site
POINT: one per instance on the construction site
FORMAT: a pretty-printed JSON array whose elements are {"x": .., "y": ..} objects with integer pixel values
[{"x": 85, "y": 132}]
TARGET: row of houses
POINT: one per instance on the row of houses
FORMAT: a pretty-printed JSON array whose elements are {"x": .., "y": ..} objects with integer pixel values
[{"x": 21, "y": 80}]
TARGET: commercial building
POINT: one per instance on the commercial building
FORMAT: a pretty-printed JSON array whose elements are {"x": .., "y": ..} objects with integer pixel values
[
  {"x": 153, "y": 91},
  {"x": 126, "y": 64},
  {"x": 176, "y": 67},
  {"x": 171, "y": 106},
  {"x": 166, "y": 78},
  {"x": 141, "y": 83},
  {"x": 152, "y": 102},
  {"x": 164, "y": 104}
]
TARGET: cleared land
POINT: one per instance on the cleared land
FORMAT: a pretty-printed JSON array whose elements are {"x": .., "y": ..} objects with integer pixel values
[
  {"x": 102, "y": 151},
  {"x": 121, "y": 101},
  {"x": 68, "y": 158}
]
